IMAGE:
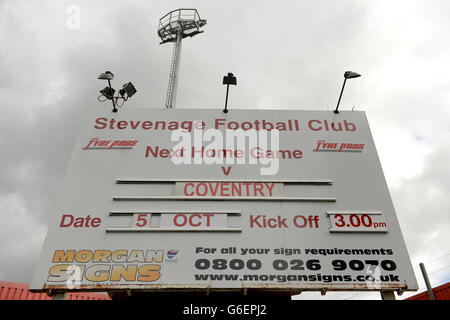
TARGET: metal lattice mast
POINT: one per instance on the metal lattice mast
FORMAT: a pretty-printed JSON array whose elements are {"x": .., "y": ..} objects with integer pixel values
[
  {"x": 173, "y": 76},
  {"x": 173, "y": 27}
]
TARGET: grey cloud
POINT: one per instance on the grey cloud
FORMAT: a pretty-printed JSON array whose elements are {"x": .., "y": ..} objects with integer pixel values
[{"x": 289, "y": 55}]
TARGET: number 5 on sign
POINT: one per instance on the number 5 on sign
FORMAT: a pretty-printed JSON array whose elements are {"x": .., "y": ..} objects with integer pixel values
[{"x": 141, "y": 220}]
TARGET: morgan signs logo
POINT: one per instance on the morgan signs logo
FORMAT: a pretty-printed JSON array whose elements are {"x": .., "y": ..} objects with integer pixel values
[
  {"x": 75, "y": 267},
  {"x": 97, "y": 144},
  {"x": 323, "y": 146}
]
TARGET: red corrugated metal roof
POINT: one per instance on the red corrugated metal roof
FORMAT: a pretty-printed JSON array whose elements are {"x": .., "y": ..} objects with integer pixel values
[
  {"x": 19, "y": 291},
  {"x": 441, "y": 292}
]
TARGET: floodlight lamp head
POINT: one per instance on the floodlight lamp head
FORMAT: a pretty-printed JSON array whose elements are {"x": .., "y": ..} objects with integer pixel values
[
  {"x": 107, "y": 75},
  {"x": 351, "y": 75},
  {"x": 108, "y": 93},
  {"x": 180, "y": 23},
  {"x": 127, "y": 89},
  {"x": 229, "y": 79}
]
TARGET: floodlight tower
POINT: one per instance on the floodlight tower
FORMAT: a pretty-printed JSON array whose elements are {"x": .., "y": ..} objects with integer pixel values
[{"x": 173, "y": 27}]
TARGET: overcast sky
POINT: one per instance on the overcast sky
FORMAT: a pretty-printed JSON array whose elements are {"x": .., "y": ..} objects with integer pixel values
[{"x": 285, "y": 54}]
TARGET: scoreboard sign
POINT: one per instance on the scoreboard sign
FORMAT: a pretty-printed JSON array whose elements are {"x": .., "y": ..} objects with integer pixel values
[{"x": 195, "y": 199}]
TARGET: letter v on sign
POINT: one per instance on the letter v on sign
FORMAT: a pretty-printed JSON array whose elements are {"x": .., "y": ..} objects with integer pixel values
[{"x": 226, "y": 171}]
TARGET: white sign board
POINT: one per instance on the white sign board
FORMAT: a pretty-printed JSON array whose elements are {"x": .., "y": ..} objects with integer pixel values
[{"x": 252, "y": 199}]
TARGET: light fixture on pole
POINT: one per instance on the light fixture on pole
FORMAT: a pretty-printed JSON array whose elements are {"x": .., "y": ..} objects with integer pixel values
[
  {"x": 228, "y": 79},
  {"x": 108, "y": 92},
  {"x": 347, "y": 75},
  {"x": 173, "y": 27}
]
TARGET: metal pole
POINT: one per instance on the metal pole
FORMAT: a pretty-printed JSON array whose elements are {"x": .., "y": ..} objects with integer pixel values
[
  {"x": 113, "y": 102},
  {"x": 226, "y": 100},
  {"x": 427, "y": 281},
  {"x": 173, "y": 81},
  {"x": 340, "y": 96}
]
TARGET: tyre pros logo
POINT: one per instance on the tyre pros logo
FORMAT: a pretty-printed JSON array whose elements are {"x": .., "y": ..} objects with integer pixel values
[
  {"x": 99, "y": 144},
  {"x": 323, "y": 146}
]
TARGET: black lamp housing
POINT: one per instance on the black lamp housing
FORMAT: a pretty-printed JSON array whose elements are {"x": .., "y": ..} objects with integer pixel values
[
  {"x": 127, "y": 89},
  {"x": 108, "y": 93},
  {"x": 229, "y": 79}
]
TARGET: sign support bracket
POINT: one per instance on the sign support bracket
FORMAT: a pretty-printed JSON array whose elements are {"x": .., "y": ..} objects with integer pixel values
[{"x": 387, "y": 295}]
